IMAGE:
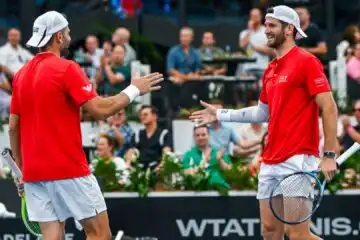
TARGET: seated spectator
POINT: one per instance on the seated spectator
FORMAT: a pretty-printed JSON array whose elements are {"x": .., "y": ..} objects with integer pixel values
[
  {"x": 151, "y": 142},
  {"x": 353, "y": 65},
  {"x": 106, "y": 165},
  {"x": 252, "y": 134},
  {"x": 350, "y": 38},
  {"x": 107, "y": 48},
  {"x": 121, "y": 37},
  {"x": 92, "y": 55},
  {"x": 121, "y": 131},
  {"x": 207, "y": 157},
  {"x": 221, "y": 135},
  {"x": 253, "y": 40},
  {"x": 315, "y": 41},
  {"x": 183, "y": 61},
  {"x": 115, "y": 76},
  {"x": 12, "y": 55},
  {"x": 352, "y": 133},
  {"x": 208, "y": 51},
  {"x": 5, "y": 97}
]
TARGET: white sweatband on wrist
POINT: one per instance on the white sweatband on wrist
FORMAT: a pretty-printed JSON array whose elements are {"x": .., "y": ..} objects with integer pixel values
[
  {"x": 132, "y": 92},
  {"x": 223, "y": 115}
]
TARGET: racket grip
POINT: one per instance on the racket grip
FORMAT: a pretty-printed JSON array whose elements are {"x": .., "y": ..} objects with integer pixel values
[{"x": 7, "y": 156}]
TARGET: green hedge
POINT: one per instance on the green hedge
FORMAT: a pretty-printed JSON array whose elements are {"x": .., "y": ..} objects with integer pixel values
[{"x": 171, "y": 177}]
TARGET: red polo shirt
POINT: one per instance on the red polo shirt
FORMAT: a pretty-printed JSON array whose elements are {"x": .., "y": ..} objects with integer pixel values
[
  {"x": 47, "y": 94},
  {"x": 289, "y": 86}
]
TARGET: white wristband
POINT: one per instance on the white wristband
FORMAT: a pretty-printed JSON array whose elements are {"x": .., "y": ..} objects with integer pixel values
[
  {"x": 223, "y": 115},
  {"x": 132, "y": 92}
]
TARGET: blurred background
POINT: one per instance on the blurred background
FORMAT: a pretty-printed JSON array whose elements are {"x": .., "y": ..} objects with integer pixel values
[{"x": 148, "y": 153}]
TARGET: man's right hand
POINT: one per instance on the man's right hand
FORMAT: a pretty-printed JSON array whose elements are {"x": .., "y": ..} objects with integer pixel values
[
  {"x": 147, "y": 83},
  {"x": 20, "y": 186}
]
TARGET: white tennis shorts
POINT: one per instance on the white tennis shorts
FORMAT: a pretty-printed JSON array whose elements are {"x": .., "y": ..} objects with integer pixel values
[
  {"x": 271, "y": 174},
  {"x": 77, "y": 198}
]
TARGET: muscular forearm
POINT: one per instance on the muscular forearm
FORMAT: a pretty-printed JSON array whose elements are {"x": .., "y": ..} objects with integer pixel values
[
  {"x": 104, "y": 107},
  {"x": 329, "y": 119},
  {"x": 177, "y": 74},
  {"x": 353, "y": 134},
  {"x": 256, "y": 114},
  {"x": 14, "y": 136}
]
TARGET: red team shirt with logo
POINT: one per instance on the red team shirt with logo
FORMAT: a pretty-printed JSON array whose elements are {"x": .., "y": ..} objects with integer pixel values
[
  {"x": 289, "y": 87},
  {"x": 47, "y": 94}
]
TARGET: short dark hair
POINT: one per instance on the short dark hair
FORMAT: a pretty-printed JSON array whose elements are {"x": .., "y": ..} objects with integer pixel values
[
  {"x": 200, "y": 126},
  {"x": 152, "y": 108}
]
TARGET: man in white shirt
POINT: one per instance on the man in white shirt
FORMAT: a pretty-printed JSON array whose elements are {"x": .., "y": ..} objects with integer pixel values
[
  {"x": 93, "y": 55},
  {"x": 253, "y": 40},
  {"x": 12, "y": 55}
]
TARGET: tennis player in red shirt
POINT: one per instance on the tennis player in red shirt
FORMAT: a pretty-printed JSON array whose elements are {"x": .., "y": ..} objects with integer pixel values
[
  {"x": 294, "y": 88},
  {"x": 45, "y": 134}
]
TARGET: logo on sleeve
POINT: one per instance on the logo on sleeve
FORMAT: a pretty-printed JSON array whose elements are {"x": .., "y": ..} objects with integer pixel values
[{"x": 87, "y": 88}]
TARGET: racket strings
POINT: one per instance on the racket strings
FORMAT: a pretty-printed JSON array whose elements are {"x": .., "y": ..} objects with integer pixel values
[{"x": 294, "y": 197}]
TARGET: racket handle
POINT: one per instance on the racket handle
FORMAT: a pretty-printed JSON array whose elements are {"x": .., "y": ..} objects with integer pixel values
[
  {"x": 343, "y": 157},
  {"x": 7, "y": 156}
]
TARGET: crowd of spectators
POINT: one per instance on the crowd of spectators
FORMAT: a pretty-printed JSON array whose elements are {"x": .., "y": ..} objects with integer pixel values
[{"x": 108, "y": 66}]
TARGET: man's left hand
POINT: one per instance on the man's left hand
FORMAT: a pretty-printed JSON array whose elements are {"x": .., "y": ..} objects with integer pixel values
[{"x": 328, "y": 167}]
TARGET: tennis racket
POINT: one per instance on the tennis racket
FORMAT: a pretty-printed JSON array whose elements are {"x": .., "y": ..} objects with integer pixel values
[
  {"x": 32, "y": 227},
  {"x": 296, "y": 197}
]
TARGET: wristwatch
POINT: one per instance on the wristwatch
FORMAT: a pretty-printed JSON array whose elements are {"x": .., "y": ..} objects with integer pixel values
[{"x": 330, "y": 155}]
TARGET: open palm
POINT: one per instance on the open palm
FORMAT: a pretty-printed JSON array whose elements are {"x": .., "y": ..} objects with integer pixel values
[{"x": 205, "y": 116}]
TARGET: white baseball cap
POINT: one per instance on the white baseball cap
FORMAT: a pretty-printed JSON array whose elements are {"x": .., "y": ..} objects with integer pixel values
[
  {"x": 288, "y": 15},
  {"x": 45, "y": 26}
]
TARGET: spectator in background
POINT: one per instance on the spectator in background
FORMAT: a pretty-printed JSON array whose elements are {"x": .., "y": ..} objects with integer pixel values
[
  {"x": 113, "y": 77},
  {"x": 352, "y": 133},
  {"x": 5, "y": 97},
  {"x": 151, "y": 142},
  {"x": 350, "y": 38},
  {"x": 353, "y": 65},
  {"x": 183, "y": 61},
  {"x": 208, "y": 51},
  {"x": 222, "y": 134},
  {"x": 92, "y": 55},
  {"x": 252, "y": 134},
  {"x": 206, "y": 157},
  {"x": 121, "y": 37},
  {"x": 107, "y": 48},
  {"x": 12, "y": 55},
  {"x": 253, "y": 40},
  {"x": 121, "y": 131},
  {"x": 105, "y": 158},
  {"x": 315, "y": 42}
]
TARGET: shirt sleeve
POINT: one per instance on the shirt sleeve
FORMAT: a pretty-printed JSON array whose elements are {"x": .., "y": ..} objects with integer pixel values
[
  {"x": 170, "y": 61},
  {"x": 197, "y": 61},
  {"x": 315, "y": 79},
  {"x": 78, "y": 85},
  {"x": 235, "y": 138},
  {"x": 14, "y": 105},
  {"x": 186, "y": 161}
]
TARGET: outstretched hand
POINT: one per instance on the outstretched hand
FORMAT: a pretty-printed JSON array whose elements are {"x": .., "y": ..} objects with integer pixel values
[
  {"x": 147, "y": 83},
  {"x": 205, "y": 116}
]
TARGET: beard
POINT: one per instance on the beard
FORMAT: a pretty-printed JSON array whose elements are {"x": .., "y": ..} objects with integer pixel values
[
  {"x": 64, "y": 52},
  {"x": 277, "y": 41}
]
